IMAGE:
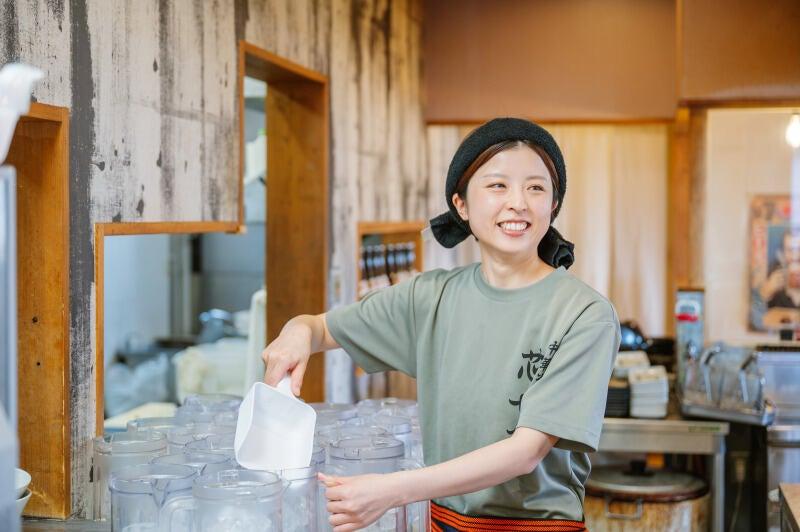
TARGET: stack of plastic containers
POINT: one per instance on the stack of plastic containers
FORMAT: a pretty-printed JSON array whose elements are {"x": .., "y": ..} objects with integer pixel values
[{"x": 180, "y": 473}]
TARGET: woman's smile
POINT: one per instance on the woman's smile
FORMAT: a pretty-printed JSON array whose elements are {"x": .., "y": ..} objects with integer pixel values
[{"x": 514, "y": 228}]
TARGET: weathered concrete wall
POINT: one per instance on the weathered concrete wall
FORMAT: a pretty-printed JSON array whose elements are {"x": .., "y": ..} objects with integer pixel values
[{"x": 151, "y": 85}]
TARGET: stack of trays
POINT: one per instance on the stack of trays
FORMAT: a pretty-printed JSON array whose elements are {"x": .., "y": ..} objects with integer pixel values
[
  {"x": 619, "y": 396},
  {"x": 629, "y": 360},
  {"x": 649, "y": 391}
]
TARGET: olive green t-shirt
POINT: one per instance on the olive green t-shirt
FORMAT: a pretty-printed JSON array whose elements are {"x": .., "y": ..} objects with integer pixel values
[{"x": 488, "y": 360}]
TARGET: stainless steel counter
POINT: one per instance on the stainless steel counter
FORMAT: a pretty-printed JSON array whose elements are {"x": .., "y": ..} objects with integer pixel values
[
  {"x": 675, "y": 436},
  {"x": 790, "y": 507}
]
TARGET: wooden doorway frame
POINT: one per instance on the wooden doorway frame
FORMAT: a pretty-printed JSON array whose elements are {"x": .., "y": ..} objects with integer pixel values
[
  {"x": 686, "y": 190},
  {"x": 40, "y": 153},
  {"x": 102, "y": 230},
  {"x": 297, "y": 206},
  {"x": 297, "y": 125}
]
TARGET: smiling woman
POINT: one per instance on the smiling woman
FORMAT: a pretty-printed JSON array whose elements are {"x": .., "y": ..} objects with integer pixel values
[{"x": 512, "y": 355}]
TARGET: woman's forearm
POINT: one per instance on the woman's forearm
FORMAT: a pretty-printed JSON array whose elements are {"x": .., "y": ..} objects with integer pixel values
[
  {"x": 480, "y": 469},
  {"x": 320, "y": 339}
]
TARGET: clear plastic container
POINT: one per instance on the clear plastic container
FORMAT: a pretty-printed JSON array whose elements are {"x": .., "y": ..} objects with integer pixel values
[
  {"x": 161, "y": 424},
  {"x": 118, "y": 450},
  {"x": 340, "y": 411},
  {"x": 139, "y": 492},
  {"x": 365, "y": 455},
  {"x": 235, "y": 500},
  {"x": 213, "y": 401},
  {"x": 300, "y": 499},
  {"x": 399, "y": 427},
  {"x": 221, "y": 444},
  {"x": 204, "y": 463},
  {"x": 179, "y": 437}
]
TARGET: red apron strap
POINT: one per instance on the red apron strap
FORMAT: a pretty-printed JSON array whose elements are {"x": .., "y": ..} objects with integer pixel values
[{"x": 446, "y": 519}]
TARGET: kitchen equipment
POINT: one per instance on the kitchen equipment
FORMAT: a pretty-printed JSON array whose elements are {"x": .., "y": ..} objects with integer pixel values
[
  {"x": 179, "y": 437},
  {"x": 622, "y": 500},
  {"x": 618, "y": 398},
  {"x": 202, "y": 462},
  {"x": 9, "y": 516},
  {"x": 161, "y": 424},
  {"x": 275, "y": 429},
  {"x": 388, "y": 405},
  {"x": 213, "y": 401},
  {"x": 220, "y": 444},
  {"x": 300, "y": 499},
  {"x": 323, "y": 517},
  {"x": 328, "y": 435},
  {"x": 726, "y": 383},
  {"x": 649, "y": 391},
  {"x": 783, "y": 466},
  {"x": 139, "y": 492},
  {"x": 780, "y": 365},
  {"x": 628, "y": 360},
  {"x": 689, "y": 325},
  {"x": 21, "y": 481},
  {"x": 418, "y": 513},
  {"x": 376, "y": 454},
  {"x": 399, "y": 427},
  {"x": 20, "y": 504},
  {"x": 631, "y": 337},
  {"x": 236, "y": 500},
  {"x": 318, "y": 455},
  {"x": 340, "y": 411},
  {"x": 115, "y": 451}
]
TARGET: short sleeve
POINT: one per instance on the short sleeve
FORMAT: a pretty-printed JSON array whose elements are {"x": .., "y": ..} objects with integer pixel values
[
  {"x": 378, "y": 332},
  {"x": 569, "y": 400}
]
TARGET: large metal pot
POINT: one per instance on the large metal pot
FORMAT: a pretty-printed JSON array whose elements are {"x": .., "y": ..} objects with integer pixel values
[{"x": 620, "y": 500}]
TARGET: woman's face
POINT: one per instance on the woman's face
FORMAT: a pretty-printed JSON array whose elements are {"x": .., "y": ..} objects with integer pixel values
[{"x": 509, "y": 202}]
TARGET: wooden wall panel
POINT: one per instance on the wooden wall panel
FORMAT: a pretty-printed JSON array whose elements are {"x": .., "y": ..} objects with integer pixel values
[
  {"x": 549, "y": 60},
  {"x": 738, "y": 50},
  {"x": 39, "y": 151},
  {"x": 154, "y": 131}
]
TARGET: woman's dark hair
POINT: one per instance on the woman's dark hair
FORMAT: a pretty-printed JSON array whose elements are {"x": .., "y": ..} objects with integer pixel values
[{"x": 494, "y": 149}]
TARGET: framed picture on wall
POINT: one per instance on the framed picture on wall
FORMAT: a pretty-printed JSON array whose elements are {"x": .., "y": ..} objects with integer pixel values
[{"x": 774, "y": 265}]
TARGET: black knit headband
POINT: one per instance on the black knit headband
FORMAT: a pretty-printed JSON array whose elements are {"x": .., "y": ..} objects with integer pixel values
[{"x": 449, "y": 229}]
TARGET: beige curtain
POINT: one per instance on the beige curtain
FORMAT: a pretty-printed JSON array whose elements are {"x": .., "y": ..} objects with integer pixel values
[{"x": 614, "y": 211}]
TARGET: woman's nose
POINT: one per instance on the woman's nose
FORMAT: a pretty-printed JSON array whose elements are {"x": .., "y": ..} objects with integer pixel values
[{"x": 516, "y": 200}]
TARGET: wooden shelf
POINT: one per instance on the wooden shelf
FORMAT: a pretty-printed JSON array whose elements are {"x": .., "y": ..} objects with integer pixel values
[{"x": 393, "y": 383}]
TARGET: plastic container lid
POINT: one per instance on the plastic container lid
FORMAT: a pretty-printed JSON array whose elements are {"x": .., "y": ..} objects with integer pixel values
[
  {"x": 195, "y": 459},
  {"x": 367, "y": 448},
  {"x": 237, "y": 483},
  {"x": 162, "y": 424},
  {"x": 333, "y": 434},
  {"x": 182, "y": 435},
  {"x": 214, "y": 401},
  {"x": 649, "y": 486},
  {"x": 142, "y": 441},
  {"x": 213, "y": 443},
  {"x": 152, "y": 478},
  {"x": 393, "y": 424},
  {"x": 341, "y": 411}
]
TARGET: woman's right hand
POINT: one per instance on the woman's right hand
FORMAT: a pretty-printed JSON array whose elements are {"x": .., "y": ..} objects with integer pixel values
[{"x": 289, "y": 353}]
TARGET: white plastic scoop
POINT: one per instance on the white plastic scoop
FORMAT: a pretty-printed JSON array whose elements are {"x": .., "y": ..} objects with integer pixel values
[{"x": 275, "y": 430}]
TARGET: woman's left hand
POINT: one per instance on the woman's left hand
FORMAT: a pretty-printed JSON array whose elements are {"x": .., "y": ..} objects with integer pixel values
[{"x": 357, "y": 502}]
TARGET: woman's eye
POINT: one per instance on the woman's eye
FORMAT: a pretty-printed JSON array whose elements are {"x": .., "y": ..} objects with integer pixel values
[
  {"x": 497, "y": 185},
  {"x": 538, "y": 188}
]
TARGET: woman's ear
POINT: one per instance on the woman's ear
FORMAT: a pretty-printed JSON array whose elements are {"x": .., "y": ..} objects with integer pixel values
[{"x": 461, "y": 206}]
